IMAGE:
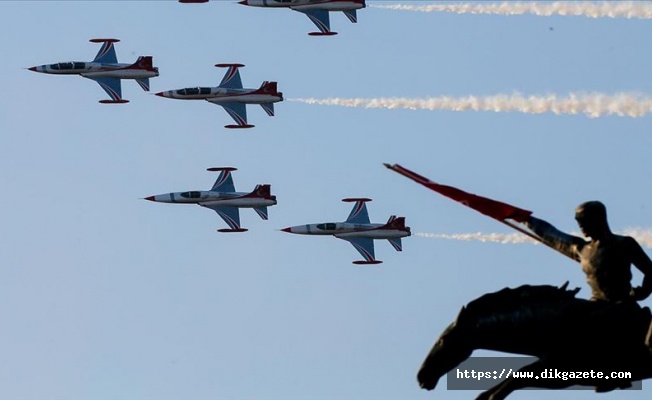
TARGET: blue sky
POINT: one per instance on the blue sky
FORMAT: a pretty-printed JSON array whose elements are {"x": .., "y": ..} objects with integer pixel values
[{"x": 106, "y": 296}]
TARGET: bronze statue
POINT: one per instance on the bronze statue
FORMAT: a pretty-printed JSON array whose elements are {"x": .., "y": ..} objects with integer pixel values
[
  {"x": 610, "y": 331},
  {"x": 548, "y": 323},
  {"x": 606, "y": 259}
]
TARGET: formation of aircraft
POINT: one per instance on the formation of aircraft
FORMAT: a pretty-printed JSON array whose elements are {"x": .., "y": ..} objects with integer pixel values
[
  {"x": 317, "y": 10},
  {"x": 106, "y": 71},
  {"x": 231, "y": 95},
  {"x": 224, "y": 200},
  {"x": 359, "y": 231}
]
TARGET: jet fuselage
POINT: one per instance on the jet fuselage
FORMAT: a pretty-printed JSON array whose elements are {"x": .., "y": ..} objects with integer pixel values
[
  {"x": 305, "y": 5},
  {"x": 348, "y": 230},
  {"x": 230, "y": 199},
  {"x": 223, "y": 95},
  {"x": 97, "y": 70}
]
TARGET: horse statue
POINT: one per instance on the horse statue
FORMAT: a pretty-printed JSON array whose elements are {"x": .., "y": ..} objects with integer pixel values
[{"x": 551, "y": 324}]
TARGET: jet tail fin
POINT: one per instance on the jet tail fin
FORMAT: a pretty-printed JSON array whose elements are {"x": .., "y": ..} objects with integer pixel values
[
  {"x": 397, "y": 223},
  {"x": 261, "y": 191},
  {"x": 143, "y": 62},
  {"x": 269, "y": 108},
  {"x": 268, "y": 88},
  {"x": 352, "y": 15},
  {"x": 144, "y": 83},
  {"x": 265, "y": 192},
  {"x": 396, "y": 243},
  {"x": 262, "y": 211}
]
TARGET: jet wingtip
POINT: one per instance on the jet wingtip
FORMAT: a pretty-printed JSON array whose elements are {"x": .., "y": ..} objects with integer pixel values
[
  {"x": 234, "y": 230},
  {"x": 329, "y": 33},
  {"x": 102, "y": 40},
  {"x": 370, "y": 262}
]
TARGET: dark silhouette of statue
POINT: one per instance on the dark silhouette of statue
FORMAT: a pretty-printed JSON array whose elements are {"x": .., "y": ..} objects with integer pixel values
[
  {"x": 548, "y": 323},
  {"x": 606, "y": 259},
  {"x": 610, "y": 332}
]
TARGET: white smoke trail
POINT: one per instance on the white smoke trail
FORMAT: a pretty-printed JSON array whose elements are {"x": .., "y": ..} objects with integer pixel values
[
  {"x": 607, "y": 9},
  {"x": 593, "y": 105},
  {"x": 642, "y": 235},
  {"x": 503, "y": 238}
]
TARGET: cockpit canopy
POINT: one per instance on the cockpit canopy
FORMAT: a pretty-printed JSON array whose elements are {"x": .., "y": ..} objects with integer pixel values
[
  {"x": 68, "y": 65},
  {"x": 327, "y": 227},
  {"x": 194, "y": 91},
  {"x": 191, "y": 195}
]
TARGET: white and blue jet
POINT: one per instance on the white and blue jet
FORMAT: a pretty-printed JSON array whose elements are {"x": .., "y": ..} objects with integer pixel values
[
  {"x": 317, "y": 10},
  {"x": 359, "y": 231},
  {"x": 224, "y": 200},
  {"x": 106, "y": 71},
  {"x": 231, "y": 95}
]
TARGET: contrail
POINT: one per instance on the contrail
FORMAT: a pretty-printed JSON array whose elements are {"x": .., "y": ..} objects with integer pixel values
[
  {"x": 642, "y": 235},
  {"x": 503, "y": 238},
  {"x": 593, "y": 105},
  {"x": 609, "y": 9}
]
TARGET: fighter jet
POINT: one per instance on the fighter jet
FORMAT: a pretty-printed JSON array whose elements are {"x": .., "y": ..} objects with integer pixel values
[
  {"x": 357, "y": 230},
  {"x": 224, "y": 200},
  {"x": 106, "y": 71},
  {"x": 316, "y": 10},
  {"x": 230, "y": 95}
]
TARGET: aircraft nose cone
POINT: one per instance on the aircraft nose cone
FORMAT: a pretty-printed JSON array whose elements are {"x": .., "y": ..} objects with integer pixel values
[
  {"x": 150, "y": 198},
  {"x": 288, "y": 230},
  {"x": 32, "y": 69},
  {"x": 160, "y": 94},
  {"x": 244, "y": 2}
]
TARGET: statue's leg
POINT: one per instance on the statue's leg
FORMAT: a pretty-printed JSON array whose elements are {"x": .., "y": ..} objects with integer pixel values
[
  {"x": 505, "y": 388},
  {"x": 451, "y": 349},
  {"x": 500, "y": 391}
]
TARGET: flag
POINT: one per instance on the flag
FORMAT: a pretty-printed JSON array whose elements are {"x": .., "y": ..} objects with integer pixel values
[{"x": 492, "y": 208}]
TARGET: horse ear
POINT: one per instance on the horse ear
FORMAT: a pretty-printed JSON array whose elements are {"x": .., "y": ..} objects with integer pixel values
[
  {"x": 564, "y": 286},
  {"x": 459, "y": 315}
]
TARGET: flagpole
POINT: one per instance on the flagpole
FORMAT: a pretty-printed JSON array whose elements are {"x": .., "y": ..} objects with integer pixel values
[
  {"x": 533, "y": 236},
  {"x": 422, "y": 180}
]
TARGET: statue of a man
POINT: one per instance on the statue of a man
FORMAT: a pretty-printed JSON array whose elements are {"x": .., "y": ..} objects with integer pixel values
[{"x": 606, "y": 258}]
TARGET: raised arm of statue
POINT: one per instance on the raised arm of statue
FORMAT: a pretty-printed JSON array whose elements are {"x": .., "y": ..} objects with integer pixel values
[
  {"x": 564, "y": 243},
  {"x": 644, "y": 264}
]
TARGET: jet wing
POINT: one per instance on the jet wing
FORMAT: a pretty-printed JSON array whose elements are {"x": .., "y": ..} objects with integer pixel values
[
  {"x": 358, "y": 214},
  {"x": 237, "y": 111},
  {"x": 321, "y": 19},
  {"x": 112, "y": 87},
  {"x": 230, "y": 215},
  {"x": 107, "y": 51},
  {"x": 231, "y": 79},
  {"x": 365, "y": 247},
  {"x": 224, "y": 182}
]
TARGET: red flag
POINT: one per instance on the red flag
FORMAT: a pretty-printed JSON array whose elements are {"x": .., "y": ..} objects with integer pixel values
[{"x": 492, "y": 208}]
